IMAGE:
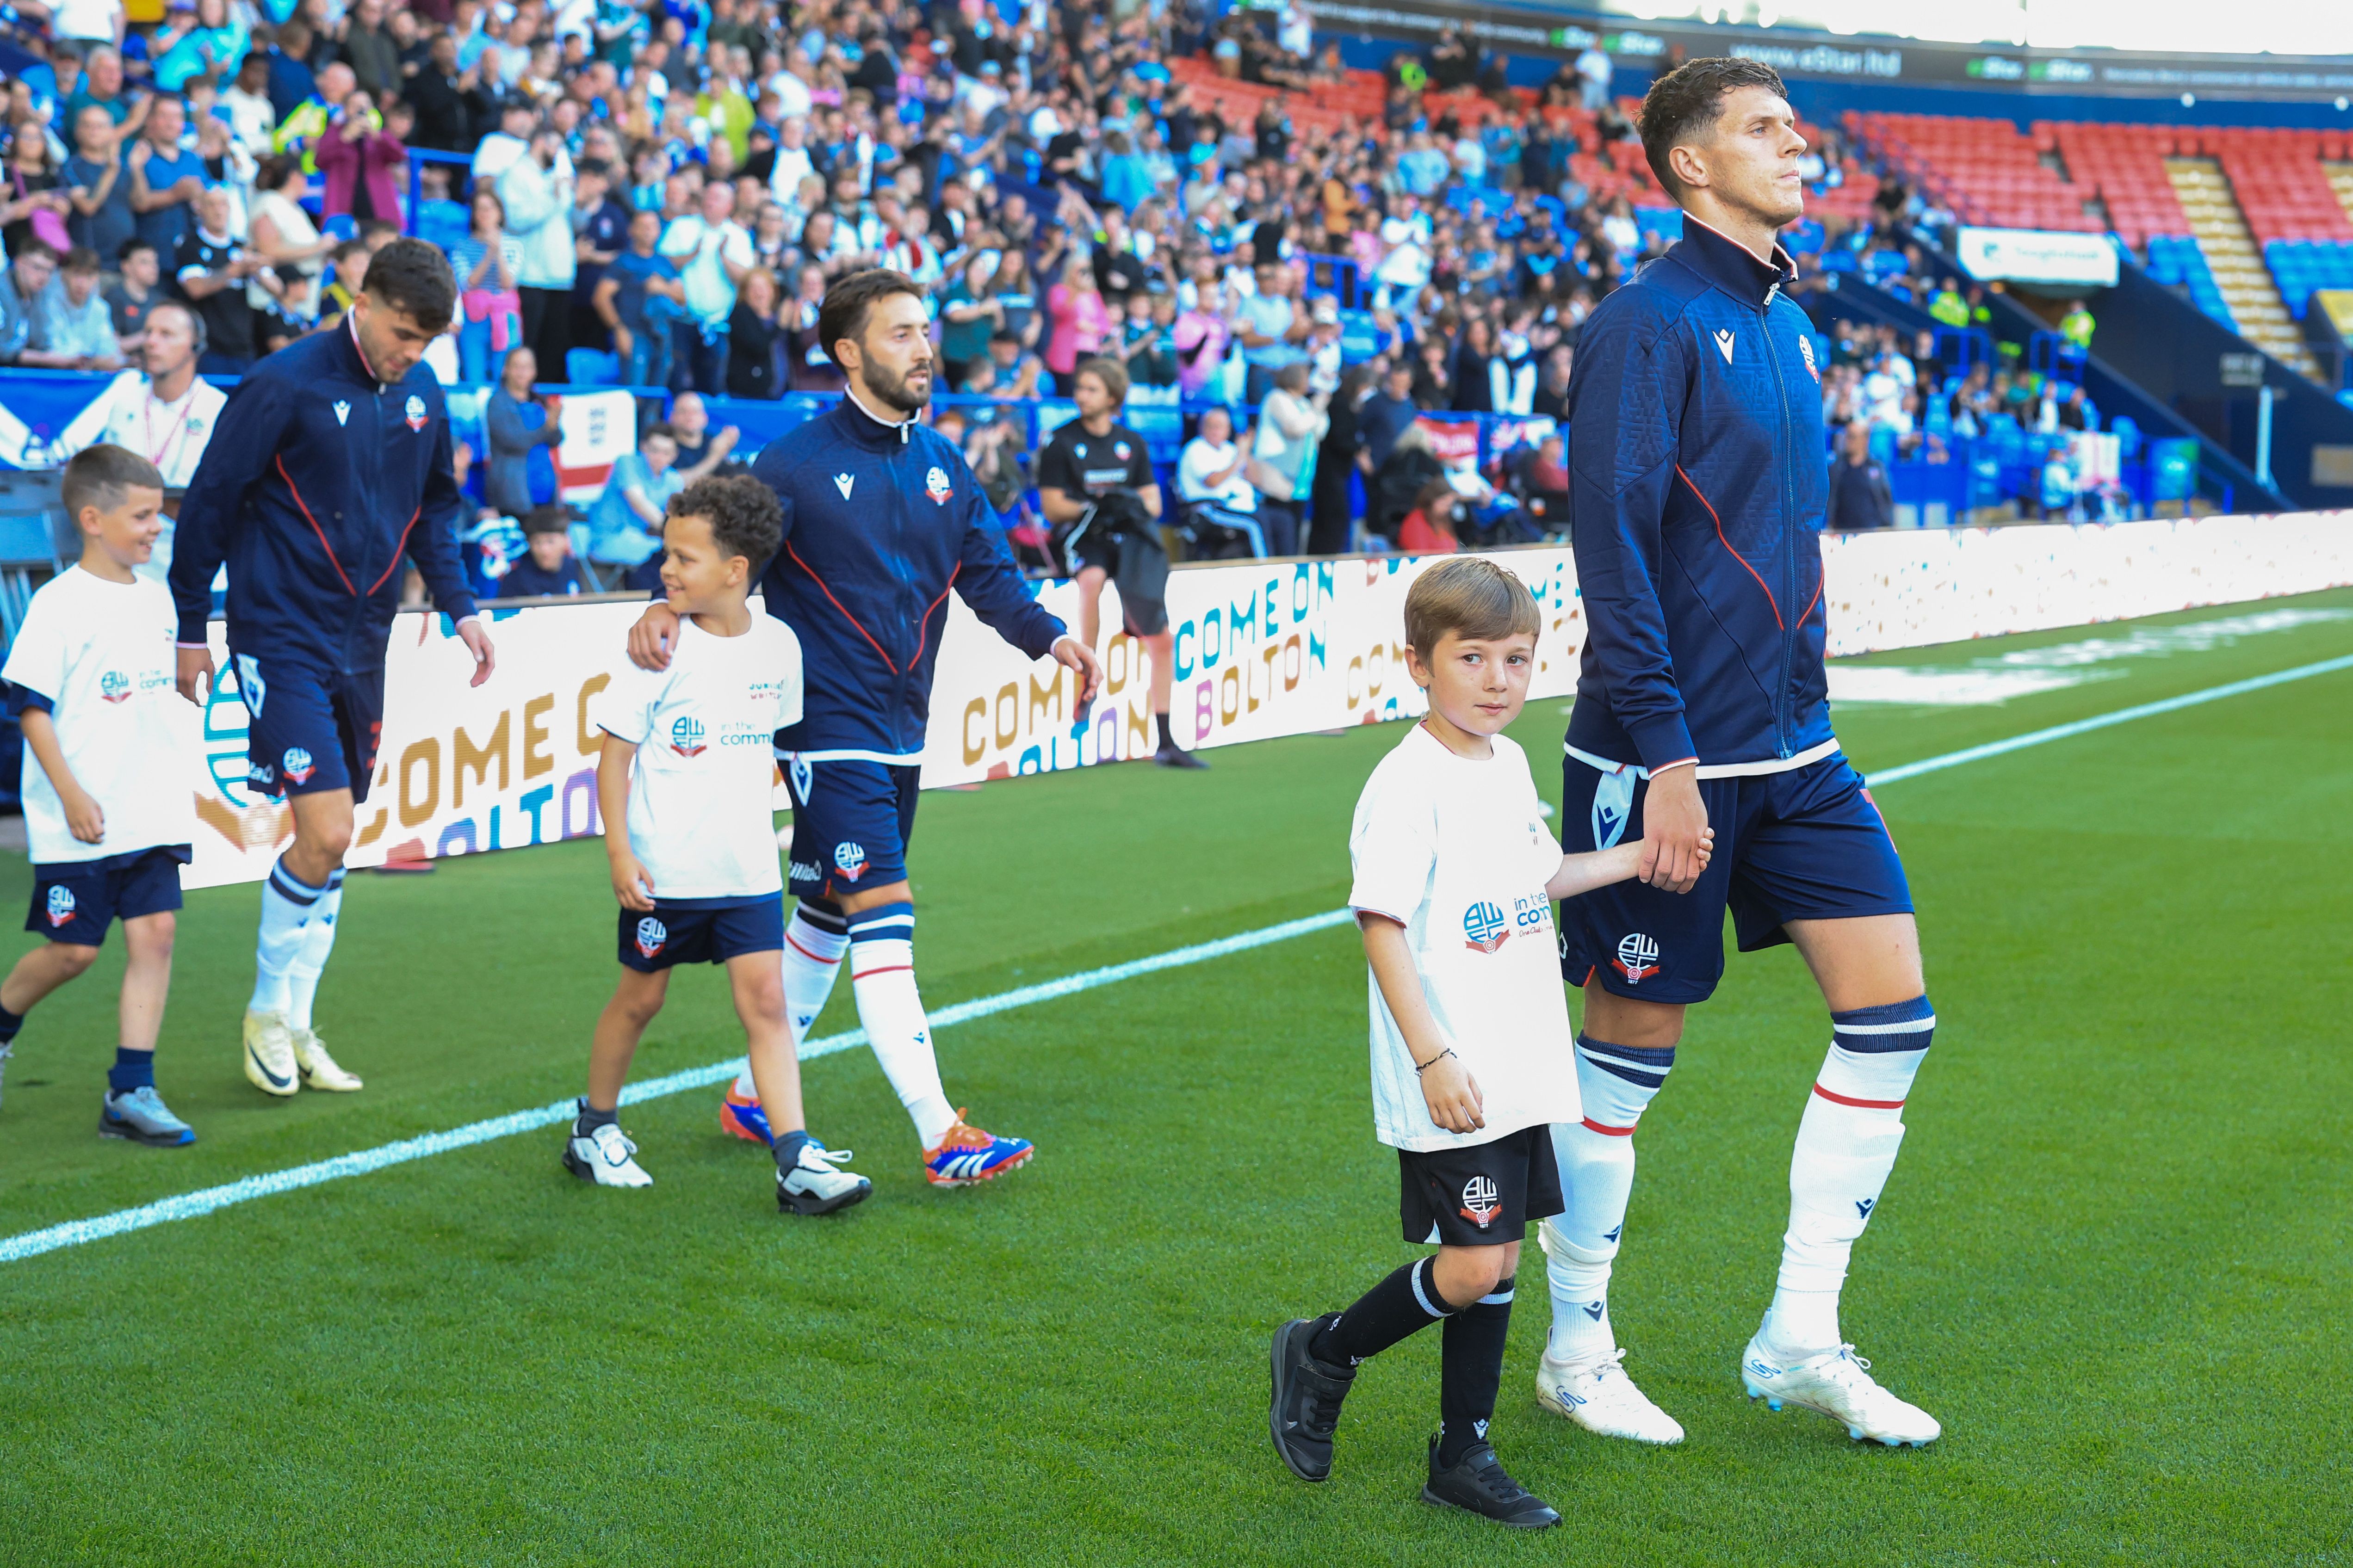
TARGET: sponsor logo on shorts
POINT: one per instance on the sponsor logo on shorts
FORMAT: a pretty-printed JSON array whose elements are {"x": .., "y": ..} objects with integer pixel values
[
  {"x": 299, "y": 765},
  {"x": 803, "y": 871},
  {"x": 261, "y": 773},
  {"x": 1638, "y": 955},
  {"x": 1479, "y": 1204},
  {"x": 416, "y": 412},
  {"x": 114, "y": 687},
  {"x": 1484, "y": 929},
  {"x": 61, "y": 906},
  {"x": 935, "y": 485},
  {"x": 686, "y": 737},
  {"x": 651, "y": 934},
  {"x": 849, "y": 860}
]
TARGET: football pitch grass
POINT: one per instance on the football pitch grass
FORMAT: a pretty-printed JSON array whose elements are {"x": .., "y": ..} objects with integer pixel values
[{"x": 2112, "y": 1259}]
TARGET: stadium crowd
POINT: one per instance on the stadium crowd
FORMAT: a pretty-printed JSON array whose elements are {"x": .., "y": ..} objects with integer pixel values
[{"x": 675, "y": 186}]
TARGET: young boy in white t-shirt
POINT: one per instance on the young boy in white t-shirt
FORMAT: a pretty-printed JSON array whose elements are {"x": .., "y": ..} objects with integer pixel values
[
  {"x": 109, "y": 812},
  {"x": 686, "y": 783},
  {"x": 1455, "y": 877}
]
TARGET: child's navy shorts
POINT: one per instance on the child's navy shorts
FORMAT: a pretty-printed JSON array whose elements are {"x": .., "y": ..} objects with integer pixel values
[
  {"x": 701, "y": 930},
  {"x": 75, "y": 901},
  {"x": 851, "y": 821},
  {"x": 1806, "y": 844}
]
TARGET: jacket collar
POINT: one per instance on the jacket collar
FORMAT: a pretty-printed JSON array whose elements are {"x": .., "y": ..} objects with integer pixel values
[
  {"x": 355, "y": 358},
  {"x": 1731, "y": 266},
  {"x": 871, "y": 429}
]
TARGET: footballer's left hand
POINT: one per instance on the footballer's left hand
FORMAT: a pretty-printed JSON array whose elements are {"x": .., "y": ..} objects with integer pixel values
[
  {"x": 1073, "y": 655},
  {"x": 478, "y": 643}
]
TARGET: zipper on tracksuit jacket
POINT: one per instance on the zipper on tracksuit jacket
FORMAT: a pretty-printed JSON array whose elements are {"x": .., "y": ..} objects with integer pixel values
[{"x": 1788, "y": 534}]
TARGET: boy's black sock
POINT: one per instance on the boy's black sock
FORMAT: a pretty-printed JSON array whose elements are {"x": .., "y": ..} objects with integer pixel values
[
  {"x": 1167, "y": 741},
  {"x": 131, "y": 1070},
  {"x": 1470, "y": 1369},
  {"x": 590, "y": 1118},
  {"x": 788, "y": 1147},
  {"x": 9, "y": 1024},
  {"x": 1391, "y": 1311}
]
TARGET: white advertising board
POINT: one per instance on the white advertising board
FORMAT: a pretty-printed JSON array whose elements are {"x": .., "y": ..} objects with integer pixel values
[{"x": 2038, "y": 256}]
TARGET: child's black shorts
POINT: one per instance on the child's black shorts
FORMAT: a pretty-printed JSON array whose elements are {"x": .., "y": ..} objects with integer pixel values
[
  {"x": 75, "y": 901},
  {"x": 1482, "y": 1195},
  {"x": 692, "y": 931}
]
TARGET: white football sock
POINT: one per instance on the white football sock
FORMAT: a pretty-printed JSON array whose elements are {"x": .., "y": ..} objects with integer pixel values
[
  {"x": 285, "y": 904},
  {"x": 815, "y": 943},
  {"x": 1596, "y": 1158},
  {"x": 882, "y": 978},
  {"x": 311, "y": 958},
  {"x": 1846, "y": 1147}
]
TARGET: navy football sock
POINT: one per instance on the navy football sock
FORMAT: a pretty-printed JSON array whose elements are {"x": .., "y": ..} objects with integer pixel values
[
  {"x": 131, "y": 1070},
  {"x": 1399, "y": 1306},
  {"x": 788, "y": 1147},
  {"x": 9, "y": 1024},
  {"x": 1471, "y": 1370},
  {"x": 590, "y": 1118}
]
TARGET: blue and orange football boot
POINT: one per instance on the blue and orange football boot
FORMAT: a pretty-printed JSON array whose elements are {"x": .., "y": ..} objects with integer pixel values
[
  {"x": 965, "y": 1154},
  {"x": 742, "y": 1115}
]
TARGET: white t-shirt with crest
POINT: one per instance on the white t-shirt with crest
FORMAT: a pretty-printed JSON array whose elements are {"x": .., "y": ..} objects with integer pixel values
[{"x": 1456, "y": 851}]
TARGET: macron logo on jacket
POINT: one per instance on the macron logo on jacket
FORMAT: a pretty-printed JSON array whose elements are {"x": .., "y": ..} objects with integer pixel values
[{"x": 1698, "y": 486}]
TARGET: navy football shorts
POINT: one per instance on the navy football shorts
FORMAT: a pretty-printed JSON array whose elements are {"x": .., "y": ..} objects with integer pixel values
[
  {"x": 312, "y": 729},
  {"x": 75, "y": 901},
  {"x": 1482, "y": 1195},
  {"x": 1806, "y": 844},
  {"x": 851, "y": 821},
  {"x": 699, "y": 930}
]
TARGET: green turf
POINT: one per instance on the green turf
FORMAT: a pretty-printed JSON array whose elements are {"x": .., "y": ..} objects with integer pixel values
[{"x": 2112, "y": 1259}]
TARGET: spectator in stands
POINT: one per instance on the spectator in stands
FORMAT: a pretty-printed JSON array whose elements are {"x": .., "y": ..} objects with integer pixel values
[
  {"x": 697, "y": 450},
  {"x": 713, "y": 254},
  {"x": 968, "y": 313},
  {"x": 1270, "y": 332},
  {"x": 1551, "y": 399},
  {"x": 360, "y": 160},
  {"x": 34, "y": 205},
  {"x": 134, "y": 294},
  {"x": 626, "y": 527},
  {"x": 1339, "y": 460},
  {"x": 1389, "y": 413},
  {"x": 490, "y": 308},
  {"x": 97, "y": 187},
  {"x": 523, "y": 431},
  {"x": 1860, "y": 497},
  {"x": 639, "y": 299},
  {"x": 164, "y": 180},
  {"x": 1539, "y": 479},
  {"x": 547, "y": 568},
  {"x": 1076, "y": 306},
  {"x": 101, "y": 84},
  {"x": 1218, "y": 505},
  {"x": 210, "y": 269},
  {"x": 1201, "y": 336},
  {"x": 1283, "y": 457},
  {"x": 536, "y": 190},
  {"x": 28, "y": 274},
  {"x": 252, "y": 118},
  {"x": 1427, "y": 528},
  {"x": 754, "y": 341},
  {"x": 279, "y": 231},
  {"x": 72, "y": 328}
]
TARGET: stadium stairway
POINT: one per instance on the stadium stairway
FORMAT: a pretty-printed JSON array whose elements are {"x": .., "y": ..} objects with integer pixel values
[{"x": 2240, "y": 273}]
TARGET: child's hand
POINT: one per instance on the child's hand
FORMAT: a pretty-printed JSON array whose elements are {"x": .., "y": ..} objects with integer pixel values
[
  {"x": 632, "y": 883},
  {"x": 1706, "y": 849},
  {"x": 1452, "y": 1095},
  {"x": 83, "y": 817}
]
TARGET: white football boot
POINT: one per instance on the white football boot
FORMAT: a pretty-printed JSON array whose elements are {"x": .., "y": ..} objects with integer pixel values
[
  {"x": 605, "y": 1157},
  {"x": 1837, "y": 1383},
  {"x": 1598, "y": 1396},
  {"x": 815, "y": 1185},
  {"x": 319, "y": 1070}
]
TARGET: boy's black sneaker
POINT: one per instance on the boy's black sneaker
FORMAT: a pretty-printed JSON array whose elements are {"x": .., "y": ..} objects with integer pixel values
[
  {"x": 1172, "y": 756},
  {"x": 1478, "y": 1485},
  {"x": 1307, "y": 1394}
]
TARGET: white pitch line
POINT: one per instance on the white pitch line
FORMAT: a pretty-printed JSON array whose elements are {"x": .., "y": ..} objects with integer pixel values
[{"x": 189, "y": 1205}]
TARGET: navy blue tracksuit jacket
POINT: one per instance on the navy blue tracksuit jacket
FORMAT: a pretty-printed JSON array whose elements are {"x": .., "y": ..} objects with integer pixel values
[
  {"x": 881, "y": 522},
  {"x": 1697, "y": 494},
  {"x": 318, "y": 482}
]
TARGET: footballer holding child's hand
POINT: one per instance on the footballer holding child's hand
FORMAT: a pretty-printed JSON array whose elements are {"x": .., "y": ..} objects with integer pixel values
[{"x": 1472, "y": 1049}]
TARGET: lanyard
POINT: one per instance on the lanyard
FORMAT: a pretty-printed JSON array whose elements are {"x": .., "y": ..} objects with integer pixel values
[{"x": 178, "y": 429}]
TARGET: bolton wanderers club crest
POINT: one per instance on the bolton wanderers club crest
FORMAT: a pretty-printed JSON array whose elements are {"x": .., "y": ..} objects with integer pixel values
[
  {"x": 1484, "y": 929},
  {"x": 416, "y": 412},
  {"x": 299, "y": 765},
  {"x": 114, "y": 686},
  {"x": 651, "y": 934},
  {"x": 1479, "y": 1203},
  {"x": 61, "y": 906},
  {"x": 935, "y": 485},
  {"x": 849, "y": 860},
  {"x": 686, "y": 737},
  {"x": 1638, "y": 955}
]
